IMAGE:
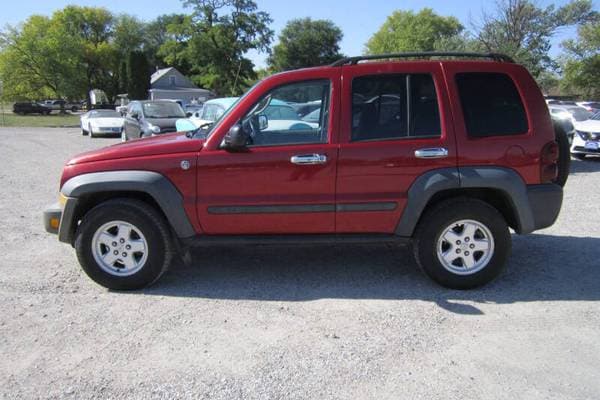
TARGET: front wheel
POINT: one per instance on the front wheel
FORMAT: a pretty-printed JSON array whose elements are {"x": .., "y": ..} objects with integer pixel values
[
  {"x": 462, "y": 243},
  {"x": 123, "y": 244}
]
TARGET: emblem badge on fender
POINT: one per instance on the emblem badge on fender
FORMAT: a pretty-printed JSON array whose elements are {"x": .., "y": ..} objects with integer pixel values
[{"x": 185, "y": 165}]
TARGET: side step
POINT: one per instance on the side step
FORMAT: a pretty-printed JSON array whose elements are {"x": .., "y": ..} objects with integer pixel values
[{"x": 293, "y": 240}]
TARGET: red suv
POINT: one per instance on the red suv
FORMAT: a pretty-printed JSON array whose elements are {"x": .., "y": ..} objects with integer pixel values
[{"x": 446, "y": 150}]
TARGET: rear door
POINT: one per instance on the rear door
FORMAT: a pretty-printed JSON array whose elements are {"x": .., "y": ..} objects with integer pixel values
[{"x": 395, "y": 127}]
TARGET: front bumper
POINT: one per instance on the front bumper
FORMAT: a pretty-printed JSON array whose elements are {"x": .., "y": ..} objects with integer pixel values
[
  {"x": 545, "y": 202},
  {"x": 52, "y": 216},
  {"x": 59, "y": 219}
]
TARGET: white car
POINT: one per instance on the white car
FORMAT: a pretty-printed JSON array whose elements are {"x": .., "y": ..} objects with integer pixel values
[
  {"x": 101, "y": 122},
  {"x": 592, "y": 106},
  {"x": 586, "y": 140}
]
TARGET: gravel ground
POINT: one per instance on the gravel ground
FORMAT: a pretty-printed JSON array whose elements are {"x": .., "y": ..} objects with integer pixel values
[{"x": 342, "y": 322}]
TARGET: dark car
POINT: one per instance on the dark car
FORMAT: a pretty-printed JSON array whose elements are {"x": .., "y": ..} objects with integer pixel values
[
  {"x": 30, "y": 107},
  {"x": 148, "y": 118}
]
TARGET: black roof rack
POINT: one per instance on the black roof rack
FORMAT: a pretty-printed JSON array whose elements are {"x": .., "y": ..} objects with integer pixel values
[{"x": 424, "y": 54}]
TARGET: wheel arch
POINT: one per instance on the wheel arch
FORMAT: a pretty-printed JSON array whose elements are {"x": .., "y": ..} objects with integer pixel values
[
  {"x": 88, "y": 190},
  {"x": 503, "y": 188}
]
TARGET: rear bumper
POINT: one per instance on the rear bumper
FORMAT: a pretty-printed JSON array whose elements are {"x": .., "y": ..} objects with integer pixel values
[{"x": 545, "y": 202}]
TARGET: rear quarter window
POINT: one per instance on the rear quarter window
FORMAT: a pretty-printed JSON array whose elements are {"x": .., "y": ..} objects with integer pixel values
[{"x": 491, "y": 105}]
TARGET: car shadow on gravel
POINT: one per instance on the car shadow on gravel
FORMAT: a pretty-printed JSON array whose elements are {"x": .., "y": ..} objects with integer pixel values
[
  {"x": 541, "y": 268},
  {"x": 590, "y": 164}
]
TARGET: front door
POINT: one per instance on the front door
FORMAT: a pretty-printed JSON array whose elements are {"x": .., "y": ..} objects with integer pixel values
[
  {"x": 395, "y": 126},
  {"x": 285, "y": 182}
]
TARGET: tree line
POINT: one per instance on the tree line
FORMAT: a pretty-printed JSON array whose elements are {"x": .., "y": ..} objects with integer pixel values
[{"x": 77, "y": 49}]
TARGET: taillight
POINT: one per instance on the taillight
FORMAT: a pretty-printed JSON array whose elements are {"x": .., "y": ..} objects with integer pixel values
[{"x": 549, "y": 160}]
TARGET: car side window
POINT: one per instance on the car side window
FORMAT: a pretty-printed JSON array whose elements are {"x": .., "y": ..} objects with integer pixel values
[
  {"x": 491, "y": 104},
  {"x": 274, "y": 121},
  {"x": 394, "y": 106}
]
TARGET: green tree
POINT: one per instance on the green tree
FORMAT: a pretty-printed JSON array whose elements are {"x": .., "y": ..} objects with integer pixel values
[
  {"x": 523, "y": 30},
  {"x": 37, "y": 62},
  {"x": 138, "y": 75},
  {"x": 68, "y": 54},
  {"x": 582, "y": 61},
  {"x": 405, "y": 31},
  {"x": 89, "y": 31},
  {"x": 220, "y": 33},
  {"x": 306, "y": 43},
  {"x": 165, "y": 42}
]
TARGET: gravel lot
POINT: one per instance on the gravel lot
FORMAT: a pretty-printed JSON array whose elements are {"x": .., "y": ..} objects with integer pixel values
[{"x": 274, "y": 323}]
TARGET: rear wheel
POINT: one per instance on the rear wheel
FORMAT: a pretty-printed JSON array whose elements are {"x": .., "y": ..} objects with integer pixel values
[
  {"x": 124, "y": 244},
  {"x": 462, "y": 243}
]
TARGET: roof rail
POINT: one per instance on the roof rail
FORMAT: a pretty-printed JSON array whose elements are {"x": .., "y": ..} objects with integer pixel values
[{"x": 423, "y": 54}]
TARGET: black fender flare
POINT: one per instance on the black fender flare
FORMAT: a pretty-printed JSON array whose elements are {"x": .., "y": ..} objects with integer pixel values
[
  {"x": 427, "y": 185},
  {"x": 156, "y": 185}
]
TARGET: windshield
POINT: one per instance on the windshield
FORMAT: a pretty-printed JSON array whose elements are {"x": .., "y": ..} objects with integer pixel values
[
  {"x": 580, "y": 114},
  {"x": 105, "y": 114},
  {"x": 163, "y": 110}
]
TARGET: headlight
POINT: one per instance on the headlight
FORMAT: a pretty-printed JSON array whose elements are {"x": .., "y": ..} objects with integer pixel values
[
  {"x": 584, "y": 135},
  {"x": 153, "y": 128}
]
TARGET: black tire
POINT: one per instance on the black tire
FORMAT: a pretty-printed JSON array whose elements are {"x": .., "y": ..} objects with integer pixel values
[
  {"x": 84, "y": 132},
  {"x": 579, "y": 156},
  {"x": 564, "y": 154},
  {"x": 149, "y": 222},
  {"x": 444, "y": 214}
]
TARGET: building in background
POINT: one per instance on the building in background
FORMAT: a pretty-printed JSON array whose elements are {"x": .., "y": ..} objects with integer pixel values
[{"x": 168, "y": 83}]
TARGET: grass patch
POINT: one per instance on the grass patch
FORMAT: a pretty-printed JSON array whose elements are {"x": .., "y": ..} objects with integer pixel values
[{"x": 7, "y": 118}]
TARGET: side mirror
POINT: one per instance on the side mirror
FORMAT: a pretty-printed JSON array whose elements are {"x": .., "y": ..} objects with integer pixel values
[
  {"x": 135, "y": 115},
  {"x": 236, "y": 139},
  {"x": 263, "y": 122},
  {"x": 188, "y": 114}
]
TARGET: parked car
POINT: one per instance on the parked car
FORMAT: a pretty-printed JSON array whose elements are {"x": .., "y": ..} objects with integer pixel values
[
  {"x": 586, "y": 141},
  {"x": 62, "y": 105},
  {"x": 444, "y": 165},
  {"x": 573, "y": 113},
  {"x": 30, "y": 107},
  {"x": 303, "y": 109},
  {"x": 592, "y": 106},
  {"x": 151, "y": 117},
  {"x": 101, "y": 122},
  {"x": 193, "y": 110},
  {"x": 212, "y": 110}
]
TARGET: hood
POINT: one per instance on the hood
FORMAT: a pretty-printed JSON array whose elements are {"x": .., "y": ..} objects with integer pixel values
[
  {"x": 591, "y": 125},
  {"x": 156, "y": 145},
  {"x": 163, "y": 122},
  {"x": 110, "y": 122}
]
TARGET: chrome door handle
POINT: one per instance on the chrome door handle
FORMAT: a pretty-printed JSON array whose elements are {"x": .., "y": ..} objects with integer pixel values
[
  {"x": 309, "y": 159},
  {"x": 434, "y": 152}
]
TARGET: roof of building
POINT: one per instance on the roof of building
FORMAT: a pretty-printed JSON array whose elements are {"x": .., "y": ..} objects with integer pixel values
[{"x": 159, "y": 74}]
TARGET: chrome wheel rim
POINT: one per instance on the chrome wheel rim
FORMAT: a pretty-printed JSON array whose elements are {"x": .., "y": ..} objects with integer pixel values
[
  {"x": 119, "y": 248},
  {"x": 465, "y": 247}
]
